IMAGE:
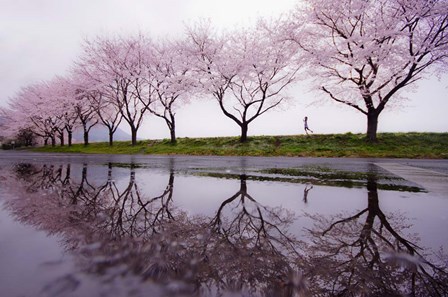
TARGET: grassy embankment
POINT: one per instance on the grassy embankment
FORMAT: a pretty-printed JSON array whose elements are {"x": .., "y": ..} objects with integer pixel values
[{"x": 393, "y": 145}]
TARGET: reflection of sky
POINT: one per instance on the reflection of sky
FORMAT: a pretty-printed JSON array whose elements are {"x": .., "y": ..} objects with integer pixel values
[
  {"x": 426, "y": 213},
  {"x": 26, "y": 254},
  {"x": 203, "y": 196},
  {"x": 200, "y": 195},
  {"x": 33, "y": 263}
]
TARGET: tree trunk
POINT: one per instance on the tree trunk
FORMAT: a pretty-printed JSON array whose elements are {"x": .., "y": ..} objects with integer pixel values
[
  {"x": 53, "y": 141},
  {"x": 109, "y": 172},
  {"x": 61, "y": 139},
  {"x": 45, "y": 141},
  {"x": 372, "y": 126},
  {"x": 134, "y": 135},
  {"x": 172, "y": 126},
  {"x": 67, "y": 175},
  {"x": 372, "y": 206},
  {"x": 70, "y": 136},
  {"x": 173, "y": 135},
  {"x": 111, "y": 137},
  {"x": 86, "y": 138},
  {"x": 244, "y": 127}
]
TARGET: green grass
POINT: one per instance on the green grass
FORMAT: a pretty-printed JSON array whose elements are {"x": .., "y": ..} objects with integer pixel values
[{"x": 389, "y": 145}]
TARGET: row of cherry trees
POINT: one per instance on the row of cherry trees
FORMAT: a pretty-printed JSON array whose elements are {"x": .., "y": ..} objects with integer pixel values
[
  {"x": 360, "y": 53},
  {"x": 114, "y": 80},
  {"x": 123, "y": 78}
]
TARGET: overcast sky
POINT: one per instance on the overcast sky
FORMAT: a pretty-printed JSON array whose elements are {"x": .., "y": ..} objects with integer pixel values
[{"x": 41, "y": 38}]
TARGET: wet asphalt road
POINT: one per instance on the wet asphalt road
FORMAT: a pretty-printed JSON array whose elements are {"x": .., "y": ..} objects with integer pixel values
[{"x": 221, "y": 163}]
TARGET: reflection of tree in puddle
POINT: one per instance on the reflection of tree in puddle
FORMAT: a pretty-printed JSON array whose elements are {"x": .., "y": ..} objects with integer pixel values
[
  {"x": 111, "y": 227},
  {"x": 251, "y": 243},
  {"x": 365, "y": 254},
  {"x": 245, "y": 247},
  {"x": 129, "y": 213},
  {"x": 252, "y": 223}
]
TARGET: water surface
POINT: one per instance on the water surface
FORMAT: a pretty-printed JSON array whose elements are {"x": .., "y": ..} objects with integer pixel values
[{"x": 180, "y": 226}]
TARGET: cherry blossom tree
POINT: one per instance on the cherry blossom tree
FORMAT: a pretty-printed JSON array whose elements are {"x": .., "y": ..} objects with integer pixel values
[
  {"x": 138, "y": 55},
  {"x": 107, "y": 113},
  {"x": 62, "y": 94},
  {"x": 31, "y": 108},
  {"x": 26, "y": 137},
  {"x": 98, "y": 96},
  {"x": 15, "y": 117},
  {"x": 9, "y": 126},
  {"x": 3, "y": 122},
  {"x": 247, "y": 71},
  {"x": 47, "y": 109},
  {"x": 52, "y": 103},
  {"x": 365, "y": 53},
  {"x": 87, "y": 116},
  {"x": 82, "y": 107},
  {"x": 172, "y": 81},
  {"x": 118, "y": 65}
]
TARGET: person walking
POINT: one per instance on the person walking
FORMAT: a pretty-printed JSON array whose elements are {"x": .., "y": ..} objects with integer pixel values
[
  {"x": 305, "y": 192},
  {"x": 305, "y": 122}
]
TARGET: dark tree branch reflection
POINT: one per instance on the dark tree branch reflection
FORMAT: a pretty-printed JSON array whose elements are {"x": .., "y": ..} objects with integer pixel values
[
  {"x": 251, "y": 242},
  {"x": 131, "y": 214},
  {"x": 246, "y": 247},
  {"x": 366, "y": 254},
  {"x": 250, "y": 223}
]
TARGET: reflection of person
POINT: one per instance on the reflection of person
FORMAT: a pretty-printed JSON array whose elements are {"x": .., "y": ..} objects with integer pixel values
[
  {"x": 305, "y": 122},
  {"x": 305, "y": 193}
]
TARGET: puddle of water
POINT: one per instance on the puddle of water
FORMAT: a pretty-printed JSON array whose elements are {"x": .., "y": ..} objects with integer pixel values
[{"x": 73, "y": 229}]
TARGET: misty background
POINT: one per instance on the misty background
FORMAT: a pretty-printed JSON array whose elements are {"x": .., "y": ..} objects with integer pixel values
[{"x": 41, "y": 38}]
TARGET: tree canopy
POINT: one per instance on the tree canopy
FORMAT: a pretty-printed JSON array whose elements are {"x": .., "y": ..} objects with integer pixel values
[{"x": 361, "y": 53}]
